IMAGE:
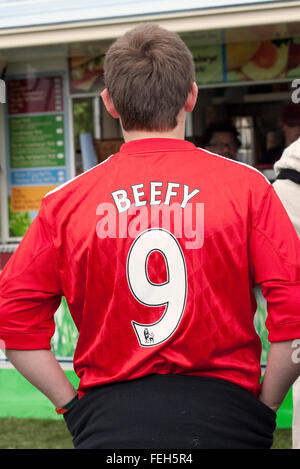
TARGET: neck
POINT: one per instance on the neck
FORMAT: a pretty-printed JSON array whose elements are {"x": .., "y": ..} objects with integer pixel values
[{"x": 177, "y": 132}]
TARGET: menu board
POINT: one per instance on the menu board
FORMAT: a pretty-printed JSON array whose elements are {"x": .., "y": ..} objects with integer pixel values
[
  {"x": 37, "y": 141},
  {"x": 35, "y": 95},
  {"x": 37, "y": 161}
]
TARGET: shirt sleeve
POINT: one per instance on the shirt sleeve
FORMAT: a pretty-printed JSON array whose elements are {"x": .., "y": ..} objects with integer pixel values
[
  {"x": 275, "y": 263},
  {"x": 30, "y": 291}
]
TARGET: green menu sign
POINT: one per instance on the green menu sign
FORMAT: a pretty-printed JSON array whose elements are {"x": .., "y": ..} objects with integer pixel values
[{"x": 37, "y": 141}]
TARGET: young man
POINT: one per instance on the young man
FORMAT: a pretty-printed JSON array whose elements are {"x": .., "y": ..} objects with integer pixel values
[{"x": 157, "y": 251}]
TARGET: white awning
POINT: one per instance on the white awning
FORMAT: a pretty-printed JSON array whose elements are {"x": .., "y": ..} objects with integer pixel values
[
  {"x": 26, "y": 23},
  {"x": 26, "y": 13}
]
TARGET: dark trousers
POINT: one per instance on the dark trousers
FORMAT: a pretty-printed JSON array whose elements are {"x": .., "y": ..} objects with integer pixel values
[{"x": 171, "y": 412}]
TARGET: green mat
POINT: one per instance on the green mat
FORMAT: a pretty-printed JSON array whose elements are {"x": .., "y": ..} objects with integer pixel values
[{"x": 18, "y": 398}]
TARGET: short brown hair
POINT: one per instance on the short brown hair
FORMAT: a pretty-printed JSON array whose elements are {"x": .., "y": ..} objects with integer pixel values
[{"x": 148, "y": 73}]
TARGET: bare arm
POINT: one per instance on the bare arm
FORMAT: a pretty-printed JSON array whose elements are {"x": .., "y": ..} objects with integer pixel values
[
  {"x": 283, "y": 368},
  {"x": 41, "y": 369}
]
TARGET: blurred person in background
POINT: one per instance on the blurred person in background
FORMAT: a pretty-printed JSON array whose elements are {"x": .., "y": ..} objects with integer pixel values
[
  {"x": 223, "y": 139},
  {"x": 289, "y": 125},
  {"x": 287, "y": 186}
]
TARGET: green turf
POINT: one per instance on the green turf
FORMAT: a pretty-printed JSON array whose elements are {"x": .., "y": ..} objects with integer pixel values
[
  {"x": 282, "y": 438},
  {"x": 34, "y": 434},
  {"x": 53, "y": 434}
]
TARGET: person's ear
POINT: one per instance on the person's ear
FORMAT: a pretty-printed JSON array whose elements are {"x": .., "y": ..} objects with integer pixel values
[
  {"x": 191, "y": 98},
  {"x": 109, "y": 104}
]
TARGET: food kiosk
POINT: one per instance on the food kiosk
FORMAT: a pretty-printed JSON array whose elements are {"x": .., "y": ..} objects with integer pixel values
[{"x": 247, "y": 59}]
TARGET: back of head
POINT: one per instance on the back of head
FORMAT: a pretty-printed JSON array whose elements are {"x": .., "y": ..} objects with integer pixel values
[{"x": 148, "y": 73}]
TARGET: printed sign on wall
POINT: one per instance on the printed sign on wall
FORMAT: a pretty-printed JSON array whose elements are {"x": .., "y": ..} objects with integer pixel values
[
  {"x": 263, "y": 60},
  {"x": 37, "y": 147},
  {"x": 86, "y": 74},
  {"x": 260, "y": 60},
  {"x": 37, "y": 161}
]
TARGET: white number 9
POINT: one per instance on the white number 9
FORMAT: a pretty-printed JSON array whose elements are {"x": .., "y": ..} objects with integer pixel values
[{"x": 172, "y": 293}]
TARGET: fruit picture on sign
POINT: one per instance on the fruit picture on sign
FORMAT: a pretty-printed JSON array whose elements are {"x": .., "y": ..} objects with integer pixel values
[
  {"x": 262, "y": 60},
  {"x": 86, "y": 73}
]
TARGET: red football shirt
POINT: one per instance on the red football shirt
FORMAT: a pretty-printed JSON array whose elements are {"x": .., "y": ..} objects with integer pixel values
[{"x": 157, "y": 251}]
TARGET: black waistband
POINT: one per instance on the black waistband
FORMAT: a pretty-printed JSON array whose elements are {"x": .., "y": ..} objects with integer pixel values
[
  {"x": 170, "y": 411},
  {"x": 291, "y": 174}
]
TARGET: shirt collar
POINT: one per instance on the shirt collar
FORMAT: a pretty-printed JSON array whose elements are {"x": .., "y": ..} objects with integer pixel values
[{"x": 156, "y": 144}]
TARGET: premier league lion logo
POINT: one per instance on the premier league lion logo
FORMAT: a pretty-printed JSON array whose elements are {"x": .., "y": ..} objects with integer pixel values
[{"x": 149, "y": 336}]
